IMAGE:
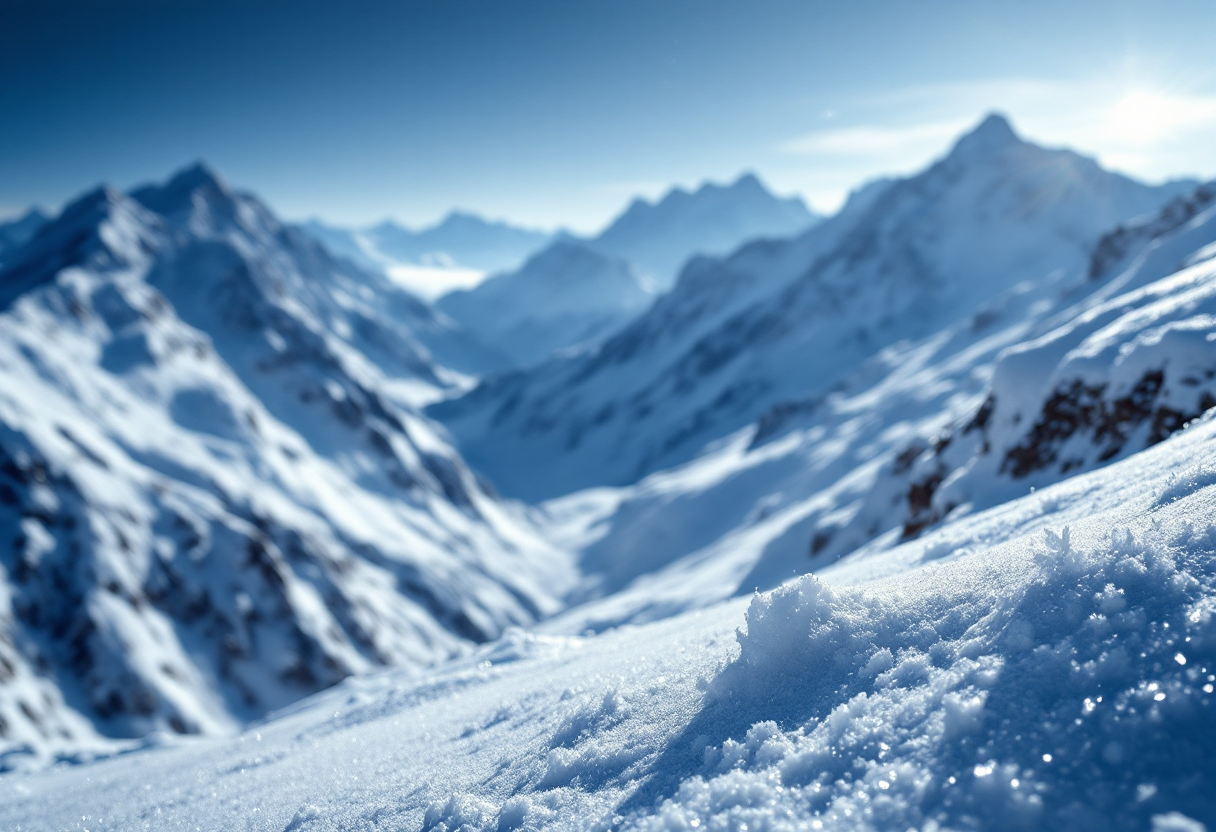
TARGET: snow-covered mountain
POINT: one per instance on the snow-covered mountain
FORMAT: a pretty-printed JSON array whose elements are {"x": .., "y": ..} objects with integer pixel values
[
  {"x": 1053, "y": 378},
  {"x": 216, "y": 494},
  {"x": 565, "y": 296},
  {"x": 1048, "y": 664},
  {"x": 460, "y": 239},
  {"x": 960, "y": 437},
  {"x": 578, "y": 291},
  {"x": 792, "y": 319},
  {"x": 659, "y": 237}
]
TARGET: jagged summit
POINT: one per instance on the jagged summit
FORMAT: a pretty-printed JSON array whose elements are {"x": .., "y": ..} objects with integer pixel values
[
  {"x": 660, "y": 237},
  {"x": 992, "y": 136},
  {"x": 995, "y": 127},
  {"x": 248, "y": 507},
  {"x": 184, "y": 190}
]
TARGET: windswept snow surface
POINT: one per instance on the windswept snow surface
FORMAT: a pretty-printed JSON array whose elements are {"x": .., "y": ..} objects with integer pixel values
[{"x": 1047, "y": 664}]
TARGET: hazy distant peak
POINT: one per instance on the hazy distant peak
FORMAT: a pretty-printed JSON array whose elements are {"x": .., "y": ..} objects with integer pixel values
[
  {"x": 460, "y": 220},
  {"x": 90, "y": 203},
  {"x": 992, "y": 135},
  {"x": 195, "y": 176},
  {"x": 748, "y": 181},
  {"x": 659, "y": 237}
]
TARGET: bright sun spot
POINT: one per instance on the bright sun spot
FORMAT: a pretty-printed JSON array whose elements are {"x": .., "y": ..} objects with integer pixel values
[{"x": 1144, "y": 117}]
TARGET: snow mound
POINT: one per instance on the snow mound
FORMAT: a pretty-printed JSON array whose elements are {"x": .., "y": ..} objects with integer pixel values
[{"x": 1046, "y": 685}]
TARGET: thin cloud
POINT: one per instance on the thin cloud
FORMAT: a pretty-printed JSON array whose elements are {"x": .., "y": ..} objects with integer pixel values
[{"x": 867, "y": 140}]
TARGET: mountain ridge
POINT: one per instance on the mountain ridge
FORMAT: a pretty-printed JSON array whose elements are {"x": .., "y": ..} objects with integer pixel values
[{"x": 714, "y": 353}]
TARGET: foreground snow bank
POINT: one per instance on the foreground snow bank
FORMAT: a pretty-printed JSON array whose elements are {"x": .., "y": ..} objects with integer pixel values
[
  {"x": 1057, "y": 686},
  {"x": 1048, "y": 664}
]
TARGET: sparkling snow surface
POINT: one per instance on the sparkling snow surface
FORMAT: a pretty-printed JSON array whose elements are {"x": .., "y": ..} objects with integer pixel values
[{"x": 1045, "y": 664}]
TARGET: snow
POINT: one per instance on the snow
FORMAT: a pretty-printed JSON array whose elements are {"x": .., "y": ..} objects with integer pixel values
[
  {"x": 959, "y": 574},
  {"x": 1059, "y": 675},
  {"x": 213, "y": 501}
]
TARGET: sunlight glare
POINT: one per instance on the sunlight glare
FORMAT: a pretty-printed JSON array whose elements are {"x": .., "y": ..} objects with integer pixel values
[{"x": 1143, "y": 117}]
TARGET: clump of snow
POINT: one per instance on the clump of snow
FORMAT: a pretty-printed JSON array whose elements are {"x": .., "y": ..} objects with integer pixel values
[{"x": 1044, "y": 684}]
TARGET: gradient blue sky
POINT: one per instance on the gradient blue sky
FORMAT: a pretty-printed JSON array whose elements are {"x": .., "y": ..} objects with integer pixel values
[{"x": 555, "y": 113}]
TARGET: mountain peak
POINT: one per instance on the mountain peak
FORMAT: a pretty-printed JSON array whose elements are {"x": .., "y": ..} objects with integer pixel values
[
  {"x": 195, "y": 176},
  {"x": 748, "y": 181},
  {"x": 993, "y": 134},
  {"x": 176, "y": 195}
]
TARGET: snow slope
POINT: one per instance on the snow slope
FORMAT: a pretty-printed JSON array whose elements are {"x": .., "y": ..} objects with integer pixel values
[
  {"x": 658, "y": 238},
  {"x": 216, "y": 494},
  {"x": 780, "y": 320},
  {"x": 566, "y": 296},
  {"x": 1046, "y": 664}
]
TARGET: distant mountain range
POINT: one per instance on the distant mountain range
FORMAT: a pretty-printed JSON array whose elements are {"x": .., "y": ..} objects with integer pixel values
[
  {"x": 578, "y": 291},
  {"x": 460, "y": 240},
  {"x": 658, "y": 238},
  {"x": 779, "y": 319}
]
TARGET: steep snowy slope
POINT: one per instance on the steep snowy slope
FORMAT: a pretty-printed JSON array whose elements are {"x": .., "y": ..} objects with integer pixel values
[
  {"x": 563, "y": 297},
  {"x": 1054, "y": 377},
  {"x": 214, "y": 497},
  {"x": 779, "y": 320},
  {"x": 1117, "y": 373},
  {"x": 1045, "y": 665},
  {"x": 658, "y": 238}
]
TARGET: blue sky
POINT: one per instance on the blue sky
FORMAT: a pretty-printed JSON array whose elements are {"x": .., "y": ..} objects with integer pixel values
[{"x": 555, "y": 113}]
